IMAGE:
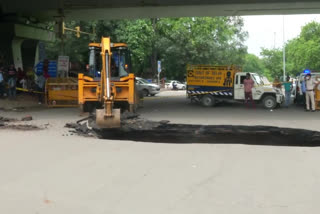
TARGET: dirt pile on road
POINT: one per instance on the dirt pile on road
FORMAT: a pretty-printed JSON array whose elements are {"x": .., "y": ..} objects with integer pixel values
[
  {"x": 134, "y": 128},
  {"x": 12, "y": 123},
  {"x": 129, "y": 122}
]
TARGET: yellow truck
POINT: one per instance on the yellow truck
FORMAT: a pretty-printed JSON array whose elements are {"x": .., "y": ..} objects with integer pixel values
[{"x": 210, "y": 84}]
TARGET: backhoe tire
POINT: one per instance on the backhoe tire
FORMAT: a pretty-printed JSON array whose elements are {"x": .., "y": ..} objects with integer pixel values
[
  {"x": 207, "y": 100},
  {"x": 269, "y": 102},
  {"x": 87, "y": 107}
]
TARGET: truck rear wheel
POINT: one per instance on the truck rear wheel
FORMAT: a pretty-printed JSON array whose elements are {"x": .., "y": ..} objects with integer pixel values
[
  {"x": 207, "y": 100},
  {"x": 269, "y": 102}
]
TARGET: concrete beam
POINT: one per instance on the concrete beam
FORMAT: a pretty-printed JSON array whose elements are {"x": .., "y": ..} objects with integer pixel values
[
  {"x": 117, "y": 9},
  {"x": 196, "y": 10},
  {"x": 30, "y": 32}
]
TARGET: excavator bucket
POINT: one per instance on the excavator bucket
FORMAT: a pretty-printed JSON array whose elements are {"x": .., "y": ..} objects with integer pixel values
[{"x": 108, "y": 122}]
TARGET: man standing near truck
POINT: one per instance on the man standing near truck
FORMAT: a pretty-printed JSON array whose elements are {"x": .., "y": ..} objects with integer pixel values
[
  {"x": 248, "y": 85},
  {"x": 310, "y": 84},
  {"x": 287, "y": 88}
]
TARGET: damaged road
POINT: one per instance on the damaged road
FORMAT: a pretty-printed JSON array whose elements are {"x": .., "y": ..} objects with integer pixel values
[
  {"x": 12, "y": 123},
  {"x": 134, "y": 128}
]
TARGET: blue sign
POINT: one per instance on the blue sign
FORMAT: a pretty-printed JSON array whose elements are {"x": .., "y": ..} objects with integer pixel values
[
  {"x": 52, "y": 68},
  {"x": 159, "y": 66}
]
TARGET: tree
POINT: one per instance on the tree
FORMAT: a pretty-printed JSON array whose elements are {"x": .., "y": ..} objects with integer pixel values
[
  {"x": 254, "y": 64},
  {"x": 175, "y": 41},
  {"x": 272, "y": 61},
  {"x": 304, "y": 51},
  {"x": 206, "y": 40}
]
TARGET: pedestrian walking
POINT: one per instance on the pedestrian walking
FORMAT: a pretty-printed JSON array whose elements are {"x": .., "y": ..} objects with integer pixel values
[
  {"x": 12, "y": 82},
  {"x": 248, "y": 85},
  {"x": 40, "y": 82},
  {"x": 310, "y": 84},
  {"x": 287, "y": 88}
]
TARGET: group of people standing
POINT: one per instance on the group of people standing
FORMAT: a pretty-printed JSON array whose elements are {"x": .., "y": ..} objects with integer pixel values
[
  {"x": 307, "y": 86},
  {"x": 11, "y": 79}
]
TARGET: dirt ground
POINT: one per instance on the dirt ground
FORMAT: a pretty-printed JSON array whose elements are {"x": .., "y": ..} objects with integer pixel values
[{"x": 22, "y": 101}]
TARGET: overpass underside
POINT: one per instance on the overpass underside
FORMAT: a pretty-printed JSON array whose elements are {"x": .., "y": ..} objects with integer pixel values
[
  {"x": 116, "y": 9},
  {"x": 37, "y": 11},
  {"x": 20, "y": 44}
]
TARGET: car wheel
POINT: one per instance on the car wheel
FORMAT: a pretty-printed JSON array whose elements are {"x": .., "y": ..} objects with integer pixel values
[
  {"x": 145, "y": 92},
  {"x": 183, "y": 88},
  {"x": 207, "y": 100},
  {"x": 269, "y": 102},
  {"x": 152, "y": 95}
]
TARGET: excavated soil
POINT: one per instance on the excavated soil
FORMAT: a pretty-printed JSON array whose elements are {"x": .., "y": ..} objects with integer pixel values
[{"x": 11, "y": 123}]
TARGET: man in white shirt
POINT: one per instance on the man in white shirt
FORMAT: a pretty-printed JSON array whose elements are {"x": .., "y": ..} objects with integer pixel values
[{"x": 310, "y": 84}]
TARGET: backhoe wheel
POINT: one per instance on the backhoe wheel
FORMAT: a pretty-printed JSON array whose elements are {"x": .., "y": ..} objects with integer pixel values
[
  {"x": 207, "y": 100},
  {"x": 269, "y": 102},
  {"x": 87, "y": 107}
]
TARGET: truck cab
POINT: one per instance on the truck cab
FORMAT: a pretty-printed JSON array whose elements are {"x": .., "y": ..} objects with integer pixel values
[{"x": 270, "y": 97}]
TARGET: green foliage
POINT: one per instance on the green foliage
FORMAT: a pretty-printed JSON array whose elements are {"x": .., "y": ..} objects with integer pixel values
[
  {"x": 272, "y": 61},
  {"x": 205, "y": 40},
  {"x": 175, "y": 41},
  {"x": 302, "y": 53},
  {"x": 254, "y": 64}
]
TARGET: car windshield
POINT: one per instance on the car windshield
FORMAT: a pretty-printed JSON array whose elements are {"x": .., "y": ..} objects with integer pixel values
[
  {"x": 265, "y": 80},
  {"x": 144, "y": 81},
  {"x": 258, "y": 79}
]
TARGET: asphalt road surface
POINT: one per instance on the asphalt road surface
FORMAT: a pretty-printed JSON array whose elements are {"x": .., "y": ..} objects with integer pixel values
[
  {"x": 174, "y": 106},
  {"x": 51, "y": 171}
]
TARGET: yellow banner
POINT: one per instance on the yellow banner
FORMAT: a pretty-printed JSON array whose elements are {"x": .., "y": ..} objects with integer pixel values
[{"x": 216, "y": 78}]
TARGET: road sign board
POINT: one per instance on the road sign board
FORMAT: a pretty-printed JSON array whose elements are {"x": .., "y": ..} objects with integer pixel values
[{"x": 159, "y": 66}]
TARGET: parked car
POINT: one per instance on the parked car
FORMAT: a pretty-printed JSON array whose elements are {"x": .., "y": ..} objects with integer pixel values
[
  {"x": 180, "y": 86},
  {"x": 146, "y": 88},
  {"x": 299, "y": 97}
]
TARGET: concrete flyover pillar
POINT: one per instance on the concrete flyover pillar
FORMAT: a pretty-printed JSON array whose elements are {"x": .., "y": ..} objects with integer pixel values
[
  {"x": 36, "y": 57},
  {"x": 16, "y": 52}
]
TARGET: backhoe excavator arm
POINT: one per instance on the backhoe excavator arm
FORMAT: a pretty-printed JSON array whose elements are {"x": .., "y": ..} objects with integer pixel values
[{"x": 107, "y": 117}]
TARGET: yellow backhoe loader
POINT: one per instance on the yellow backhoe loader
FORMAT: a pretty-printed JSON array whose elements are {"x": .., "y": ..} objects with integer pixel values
[{"x": 109, "y": 87}]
